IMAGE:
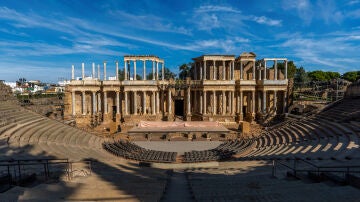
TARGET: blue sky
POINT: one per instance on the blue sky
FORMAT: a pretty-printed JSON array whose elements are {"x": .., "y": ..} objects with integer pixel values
[{"x": 42, "y": 39}]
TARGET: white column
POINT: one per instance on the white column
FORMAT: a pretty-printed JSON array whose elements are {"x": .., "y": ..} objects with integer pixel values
[
  {"x": 253, "y": 102},
  {"x": 82, "y": 71},
  {"x": 254, "y": 70},
  {"x": 135, "y": 102},
  {"x": 98, "y": 72},
  {"x": 163, "y": 71},
  {"x": 169, "y": 101},
  {"x": 117, "y": 70},
  {"x": 157, "y": 103},
  {"x": 134, "y": 62},
  {"x": 275, "y": 70},
  {"x": 286, "y": 66},
  {"x": 204, "y": 77},
  {"x": 238, "y": 102},
  {"x": 223, "y": 103},
  {"x": 117, "y": 102},
  {"x": 201, "y": 71},
  {"x": 188, "y": 101},
  {"x": 94, "y": 102},
  {"x": 73, "y": 104},
  {"x": 153, "y": 70},
  {"x": 105, "y": 103},
  {"x": 157, "y": 70},
  {"x": 205, "y": 104},
  {"x": 125, "y": 70},
  {"x": 144, "y": 69},
  {"x": 264, "y": 101},
  {"x": 104, "y": 71},
  {"x": 265, "y": 70},
  {"x": 224, "y": 71},
  {"x": 232, "y": 70},
  {"x": 126, "y": 103},
  {"x": 232, "y": 103},
  {"x": 162, "y": 101},
  {"x": 144, "y": 102},
  {"x": 214, "y": 70},
  {"x": 83, "y": 103},
  {"x": 275, "y": 101},
  {"x": 241, "y": 104},
  {"x": 72, "y": 72},
  {"x": 93, "y": 70},
  {"x": 201, "y": 103},
  {"x": 241, "y": 71},
  {"x": 214, "y": 102},
  {"x": 153, "y": 102},
  {"x": 99, "y": 102}
]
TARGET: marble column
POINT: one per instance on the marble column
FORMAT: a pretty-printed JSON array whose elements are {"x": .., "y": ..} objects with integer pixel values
[
  {"x": 117, "y": 102},
  {"x": 286, "y": 68},
  {"x": 94, "y": 102},
  {"x": 105, "y": 103},
  {"x": 153, "y": 102},
  {"x": 153, "y": 70},
  {"x": 126, "y": 103},
  {"x": 144, "y": 69},
  {"x": 224, "y": 70},
  {"x": 201, "y": 71},
  {"x": 264, "y": 101},
  {"x": 144, "y": 102},
  {"x": 188, "y": 101},
  {"x": 162, "y": 101},
  {"x": 223, "y": 103},
  {"x": 134, "y": 62},
  {"x": 157, "y": 103},
  {"x": 232, "y": 103},
  {"x": 228, "y": 102},
  {"x": 135, "y": 102},
  {"x": 214, "y": 70},
  {"x": 204, "y": 77},
  {"x": 82, "y": 71},
  {"x": 275, "y": 101},
  {"x": 265, "y": 70},
  {"x": 72, "y": 72},
  {"x": 275, "y": 70},
  {"x": 116, "y": 70},
  {"x": 201, "y": 103},
  {"x": 214, "y": 102},
  {"x": 83, "y": 103},
  {"x": 205, "y": 104},
  {"x": 104, "y": 71},
  {"x": 125, "y": 70},
  {"x": 73, "y": 103},
  {"x": 169, "y": 101},
  {"x": 253, "y": 102},
  {"x": 232, "y": 70},
  {"x": 157, "y": 70},
  {"x": 99, "y": 102},
  {"x": 241, "y": 105}
]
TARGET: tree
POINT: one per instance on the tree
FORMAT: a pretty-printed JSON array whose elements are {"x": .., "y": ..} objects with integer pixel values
[
  {"x": 149, "y": 76},
  {"x": 301, "y": 76},
  {"x": 319, "y": 75},
  {"x": 168, "y": 74},
  {"x": 351, "y": 76},
  {"x": 184, "y": 71},
  {"x": 121, "y": 74}
]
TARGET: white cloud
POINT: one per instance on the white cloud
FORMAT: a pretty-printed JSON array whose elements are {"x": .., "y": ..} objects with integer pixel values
[
  {"x": 266, "y": 21},
  {"x": 303, "y": 8}
]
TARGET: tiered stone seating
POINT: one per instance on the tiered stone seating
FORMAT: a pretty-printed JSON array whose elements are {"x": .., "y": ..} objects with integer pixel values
[{"x": 132, "y": 151}]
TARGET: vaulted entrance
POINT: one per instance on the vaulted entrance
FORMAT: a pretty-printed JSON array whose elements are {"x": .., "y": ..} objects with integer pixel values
[{"x": 179, "y": 108}]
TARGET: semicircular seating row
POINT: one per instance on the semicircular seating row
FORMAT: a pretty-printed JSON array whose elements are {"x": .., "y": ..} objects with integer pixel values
[
  {"x": 331, "y": 134},
  {"x": 26, "y": 134}
]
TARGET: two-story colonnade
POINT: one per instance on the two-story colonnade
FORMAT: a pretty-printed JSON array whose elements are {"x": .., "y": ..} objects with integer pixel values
[{"x": 220, "y": 88}]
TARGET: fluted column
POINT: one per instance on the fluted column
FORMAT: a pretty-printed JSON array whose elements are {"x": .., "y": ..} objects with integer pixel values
[
  {"x": 264, "y": 101},
  {"x": 153, "y": 70},
  {"x": 157, "y": 103},
  {"x": 134, "y": 62},
  {"x": 144, "y": 102},
  {"x": 241, "y": 105},
  {"x": 214, "y": 70},
  {"x": 204, "y": 108},
  {"x": 223, "y": 103},
  {"x": 153, "y": 102},
  {"x": 265, "y": 70},
  {"x": 83, "y": 103},
  {"x": 73, "y": 103},
  {"x": 254, "y": 70},
  {"x": 169, "y": 101},
  {"x": 125, "y": 70},
  {"x": 117, "y": 102},
  {"x": 104, "y": 71},
  {"x": 72, "y": 72},
  {"x": 232, "y": 70},
  {"x": 232, "y": 103},
  {"x": 144, "y": 69},
  {"x": 94, "y": 103},
  {"x": 204, "y": 77},
  {"x": 224, "y": 71},
  {"x": 157, "y": 70},
  {"x": 201, "y": 103},
  {"x": 275, "y": 101},
  {"x": 126, "y": 103},
  {"x": 188, "y": 101},
  {"x": 135, "y": 102},
  {"x": 162, "y": 101},
  {"x": 275, "y": 70},
  {"x": 105, "y": 103},
  {"x": 82, "y": 71},
  {"x": 214, "y": 102},
  {"x": 201, "y": 71},
  {"x": 99, "y": 102}
]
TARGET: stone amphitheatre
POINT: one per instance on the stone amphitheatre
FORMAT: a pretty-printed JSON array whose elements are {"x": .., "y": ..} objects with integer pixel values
[{"x": 207, "y": 138}]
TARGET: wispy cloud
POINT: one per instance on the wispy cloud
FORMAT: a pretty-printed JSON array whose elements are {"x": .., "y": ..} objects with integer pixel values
[{"x": 266, "y": 21}]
